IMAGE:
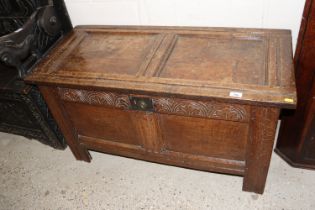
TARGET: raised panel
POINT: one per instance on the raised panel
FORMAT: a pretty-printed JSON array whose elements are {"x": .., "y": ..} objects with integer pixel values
[
  {"x": 125, "y": 53},
  {"x": 103, "y": 123},
  {"x": 204, "y": 137},
  {"x": 226, "y": 60}
]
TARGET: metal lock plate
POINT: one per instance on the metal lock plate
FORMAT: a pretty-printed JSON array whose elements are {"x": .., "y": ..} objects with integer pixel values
[{"x": 142, "y": 104}]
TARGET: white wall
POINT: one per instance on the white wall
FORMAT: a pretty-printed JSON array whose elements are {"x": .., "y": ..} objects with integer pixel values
[{"x": 284, "y": 14}]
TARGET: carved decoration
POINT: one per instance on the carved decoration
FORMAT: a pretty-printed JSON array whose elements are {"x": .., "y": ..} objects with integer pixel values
[
  {"x": 15, "y": 113},
  {"x": 37, "y": 34},
  {"x": 10, "y": 25},
  {"x": 40, "y": 24},
  {"x": 28, "y": 116},
  {"x": 202, "y": 109},
  {"x": 95, "y": 97},
  {"x": 14, "y": 13},
  {"x": 5, "y": 7},
  {"x": 13, "y": 53},
  {"x": 212, "y": 110},
  {"x": 26, "y": 132},
  {"x": 17, "y": 7}
]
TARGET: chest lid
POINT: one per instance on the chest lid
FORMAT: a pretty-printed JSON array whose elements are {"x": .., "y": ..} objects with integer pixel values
[{"x": 251, "y": 65}]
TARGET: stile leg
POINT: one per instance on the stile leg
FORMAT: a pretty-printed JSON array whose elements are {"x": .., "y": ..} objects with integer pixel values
[
  {"x": 79, "y": 151},
  {"x": 260, "y": 143}
]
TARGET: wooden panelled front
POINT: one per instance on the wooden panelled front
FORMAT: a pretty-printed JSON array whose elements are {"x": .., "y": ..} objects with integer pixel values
[
  {"x": 104, "y": 123},
  {"x": 206, "y": 137},
  {"x": 195, "y": 129}
]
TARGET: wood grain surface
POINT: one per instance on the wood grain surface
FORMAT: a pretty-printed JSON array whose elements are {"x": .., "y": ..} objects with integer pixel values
[
  {"x": 191, "y": 62},
  {"x": 201, "y": 98}
]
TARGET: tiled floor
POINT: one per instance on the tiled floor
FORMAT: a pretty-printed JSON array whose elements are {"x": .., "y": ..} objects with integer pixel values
[{"x": 35, "y": 176}]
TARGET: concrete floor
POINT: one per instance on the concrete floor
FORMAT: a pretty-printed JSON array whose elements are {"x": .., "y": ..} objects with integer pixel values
[{"x": 35, "y": 176}]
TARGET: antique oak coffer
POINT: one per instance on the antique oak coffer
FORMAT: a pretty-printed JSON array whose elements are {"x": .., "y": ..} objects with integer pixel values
[{"x": 202, "y": 98}]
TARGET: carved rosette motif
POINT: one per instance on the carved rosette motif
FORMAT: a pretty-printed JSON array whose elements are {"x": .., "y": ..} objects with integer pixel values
[
  {"x": 202, "y": 109},
  {"x": 95, "y": 97}
]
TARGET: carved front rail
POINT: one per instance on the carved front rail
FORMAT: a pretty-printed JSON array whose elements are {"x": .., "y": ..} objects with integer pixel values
[{"x": 204, "y": 109}]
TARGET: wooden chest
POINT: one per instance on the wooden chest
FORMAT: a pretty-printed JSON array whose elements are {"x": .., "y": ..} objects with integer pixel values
[{"x": 202, "y": 98}]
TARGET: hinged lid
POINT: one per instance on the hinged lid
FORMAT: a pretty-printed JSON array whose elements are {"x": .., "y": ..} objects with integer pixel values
[{"x": 248, "y": 65}]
